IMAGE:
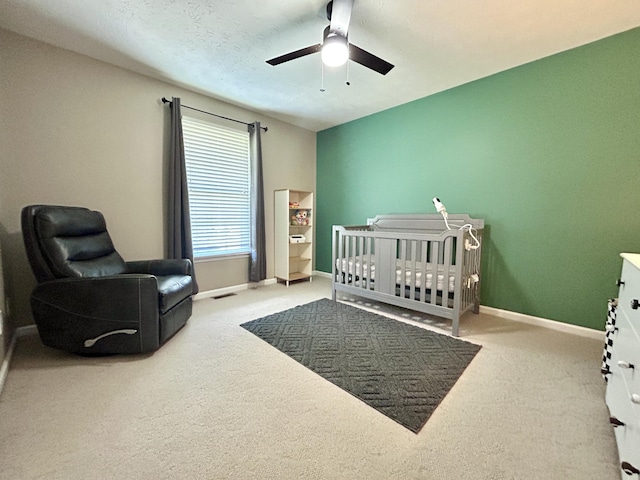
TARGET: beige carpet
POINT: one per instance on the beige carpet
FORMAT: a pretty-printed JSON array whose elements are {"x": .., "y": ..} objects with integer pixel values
[{"x": 218, "y": 403}]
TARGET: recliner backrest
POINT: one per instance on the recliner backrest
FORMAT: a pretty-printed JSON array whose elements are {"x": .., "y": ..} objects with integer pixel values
[{"x": 64, "y": 242}]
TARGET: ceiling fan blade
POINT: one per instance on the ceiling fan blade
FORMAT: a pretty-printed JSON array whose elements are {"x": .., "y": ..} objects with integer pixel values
[
  {"x": 293, "y": 55},
  {"x": 339, "y": 12},
  {"x": 369, "y": 60}
]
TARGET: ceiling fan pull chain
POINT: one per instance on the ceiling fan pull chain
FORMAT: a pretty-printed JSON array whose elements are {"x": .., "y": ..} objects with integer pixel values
[
  {"x": 348, "y": 82},
  {"x": 322, "y": 76}
]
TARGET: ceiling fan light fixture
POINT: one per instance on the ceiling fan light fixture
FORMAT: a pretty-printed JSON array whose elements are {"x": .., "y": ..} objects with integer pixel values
[{"x": 335, "y": 50}]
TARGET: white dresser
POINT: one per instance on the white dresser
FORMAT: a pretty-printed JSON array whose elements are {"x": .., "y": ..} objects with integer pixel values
[{"x": 623, "y": 387}]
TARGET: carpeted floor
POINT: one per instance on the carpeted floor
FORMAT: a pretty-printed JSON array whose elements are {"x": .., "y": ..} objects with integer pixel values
[
  {"x": 217, "y": 403},
  {"x": 401, "y": 370}
]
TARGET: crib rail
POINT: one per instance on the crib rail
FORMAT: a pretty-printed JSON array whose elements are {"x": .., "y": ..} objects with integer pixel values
[{"x": 394, "y": 261}]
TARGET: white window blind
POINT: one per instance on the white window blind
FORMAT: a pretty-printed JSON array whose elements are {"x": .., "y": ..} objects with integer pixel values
[{"x": 217, "y": 161}]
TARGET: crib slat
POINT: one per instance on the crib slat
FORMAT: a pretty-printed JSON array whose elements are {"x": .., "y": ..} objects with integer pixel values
[
  {"x": 340, "y": 254},
  {"x": 423, "y": 270},
  {"x": 368, "y": 275},
  {"x": 448, "y": 261},
  {"x": 376, "y": 249},
  {"x": 435, "y": 255},
  {"x": 354, "y": 277},
  {"x": 402, "y": 267},
  {"x": 348, "y": 257},
  {"x": 334, "y": 269},
  {"x": 360, "y": 261},
  {"x": 404, "y": 270},
  {"x": 412, "y": 278},
  {"x": 357, "y": 267}
]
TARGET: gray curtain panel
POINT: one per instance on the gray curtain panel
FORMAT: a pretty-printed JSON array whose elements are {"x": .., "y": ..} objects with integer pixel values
[
  {"x": 257, "y": 257},
  {"x": 179, "y": 220}
]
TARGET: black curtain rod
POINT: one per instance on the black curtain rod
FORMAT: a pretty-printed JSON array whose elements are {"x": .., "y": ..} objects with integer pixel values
[{"x": 164, "y": 100}]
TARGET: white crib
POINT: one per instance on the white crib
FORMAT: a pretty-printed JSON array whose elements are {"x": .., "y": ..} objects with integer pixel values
[{"x": 411, "y": 261}]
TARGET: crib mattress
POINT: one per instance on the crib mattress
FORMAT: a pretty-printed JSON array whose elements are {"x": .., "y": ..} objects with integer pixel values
[{"x": 367, "y": 270}]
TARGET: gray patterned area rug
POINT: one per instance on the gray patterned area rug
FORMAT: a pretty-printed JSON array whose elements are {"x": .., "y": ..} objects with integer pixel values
[{"x": 401, "y": 370}]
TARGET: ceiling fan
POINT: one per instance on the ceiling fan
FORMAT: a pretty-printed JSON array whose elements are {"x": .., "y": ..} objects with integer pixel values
[{"x": 335, "y": 47}]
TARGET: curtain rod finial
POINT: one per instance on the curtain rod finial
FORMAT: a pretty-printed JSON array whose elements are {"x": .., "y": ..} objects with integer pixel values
[{"x": 164, "y": 100}]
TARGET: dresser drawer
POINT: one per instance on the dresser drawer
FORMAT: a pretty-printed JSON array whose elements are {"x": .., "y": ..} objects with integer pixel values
[
  {"x": 625, "y": 421},
  {"x": 625, "y": 361},
  {"x": 628, "y": 441}
]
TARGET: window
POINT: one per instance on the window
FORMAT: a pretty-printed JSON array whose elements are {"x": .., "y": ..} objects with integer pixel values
[{"x": 218, "y": 178}]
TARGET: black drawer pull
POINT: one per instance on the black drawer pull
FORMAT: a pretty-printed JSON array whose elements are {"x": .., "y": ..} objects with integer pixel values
[
  {"x": 619, "y": 282},
  {"x": 634, "y": 304},
  {"x": 615, "y": 422},
  {"x": 628, "y": 468}
]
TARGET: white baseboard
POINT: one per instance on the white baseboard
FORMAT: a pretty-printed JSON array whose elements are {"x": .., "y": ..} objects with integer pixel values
[
  {"x": 233, "y": 289},
  {"x": 20, "y": 332},
  {"x": 544, "y": 322}
]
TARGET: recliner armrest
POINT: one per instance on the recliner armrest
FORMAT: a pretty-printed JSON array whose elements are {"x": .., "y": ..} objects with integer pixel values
[{"x": 161, "y": 267}]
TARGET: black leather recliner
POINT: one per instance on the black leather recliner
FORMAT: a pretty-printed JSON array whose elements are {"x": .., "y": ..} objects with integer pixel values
[{"x": 90, "y": 301}]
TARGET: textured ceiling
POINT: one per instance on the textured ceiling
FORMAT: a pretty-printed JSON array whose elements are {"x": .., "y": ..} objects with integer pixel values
[{"x": 219, "y": 47}]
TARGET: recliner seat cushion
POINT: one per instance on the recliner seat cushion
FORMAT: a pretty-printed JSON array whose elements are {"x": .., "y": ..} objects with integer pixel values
[
  {"x": 75, "y": 243},
  {"x": 172, "y": 289}
]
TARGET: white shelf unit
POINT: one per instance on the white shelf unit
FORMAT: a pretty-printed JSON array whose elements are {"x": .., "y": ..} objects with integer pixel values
[{"x": 293, "y": 261}]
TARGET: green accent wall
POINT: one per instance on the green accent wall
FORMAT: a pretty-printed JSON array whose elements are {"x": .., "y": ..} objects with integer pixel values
[{"x": 547, "y": 153}]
